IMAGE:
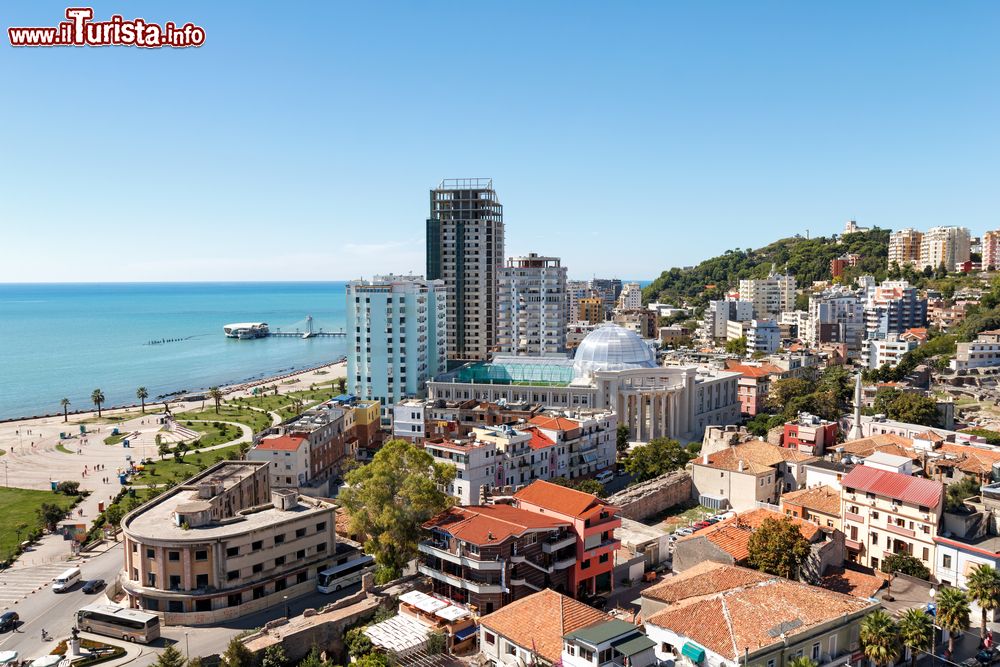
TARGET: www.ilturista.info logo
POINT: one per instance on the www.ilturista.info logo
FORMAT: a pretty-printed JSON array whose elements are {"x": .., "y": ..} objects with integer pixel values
[{"x": 80, "y": 30}]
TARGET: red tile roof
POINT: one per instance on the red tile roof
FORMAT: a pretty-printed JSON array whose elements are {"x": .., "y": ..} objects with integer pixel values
[
  {"x": 905, "y": 488},
  {"x": 823, "y": 499},
  {"x": 281, "y": 443},
  {"x": 555, "y": 423},
  {"x": 753, "y": 371},
  {"x": 733, "y": 535},
  {"x": 491, "y": 524},
  {"x": 539, "y": 621},
  {"x": 705, "y": 578},
  {"x": 852, "y": 582},
  {"x": 561, "y": 499},
  {"x": 538, "y": 439}
]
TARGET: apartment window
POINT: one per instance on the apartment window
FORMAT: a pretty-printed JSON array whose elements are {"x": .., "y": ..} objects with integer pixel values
[
  {"x": 232, "y": 574},
  {"x": 175, "y": 582},
  {"x": 491, "y": 638},
  {"x": 173, "y": 555},
  {"x": 585, "y": 565},
  {"x": 151, "y": 580},
  {"x": 586, "y": 654},
  {"x": 201, "y": 554},
  {"x": 874, "y": 515},
  {"x": 151, "y": 554},
  {"x": 510, "y": 649},
  {"x": 232, "y": 551},
  {"x": 321, "y": 526},
  {"x": 279, "y": 539},
  {"x": 605, "y": 655},
  {"x": 234, "y": 600},
  {"x": 257, "y": 567},
  {"x": 258, "y": 592},
  {"x": 815, "y": 652},
  {"x": 321, "y": 547},
  {"x": 667, "y": 648},
  {"x": 926, "y": 555},
  {"x": 875, "y": 538},
  {"x": 946, "y": 561},
  {"x": 201, "y": 581},
  {"x": 300, "y": 554},
  {"x": 257, "y": 546},
  {"x": 770, "y": 663},
  {"x": 279, "y": 561},
  {"x": 300, "y": 532},
  {"x": 603, "y": 558}
]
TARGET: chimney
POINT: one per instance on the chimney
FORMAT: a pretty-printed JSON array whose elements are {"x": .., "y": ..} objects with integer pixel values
[
  {"x": 739, "y": 466},
  {"x": 704, "y": 458}
]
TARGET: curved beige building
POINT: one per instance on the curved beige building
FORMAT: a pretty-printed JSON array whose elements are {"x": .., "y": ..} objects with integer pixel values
[{"x": 223, "y": 545}]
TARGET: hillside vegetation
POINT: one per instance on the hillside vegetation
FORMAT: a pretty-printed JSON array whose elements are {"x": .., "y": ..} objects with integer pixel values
[{"x": 806, "y": 259}]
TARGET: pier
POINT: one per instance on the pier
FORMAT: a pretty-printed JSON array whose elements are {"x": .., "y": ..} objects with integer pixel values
[{"x": 252, "y": 330}]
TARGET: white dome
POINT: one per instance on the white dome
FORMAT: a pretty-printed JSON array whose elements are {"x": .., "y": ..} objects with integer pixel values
[{"x": 611, "y": 348}]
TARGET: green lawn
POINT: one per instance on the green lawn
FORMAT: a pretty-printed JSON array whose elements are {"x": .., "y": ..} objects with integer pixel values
[
  {"x": 21, "y": 506},
  {"x": 214, "y": 433},
  {"x": 282, "y": 403},
  {"x": 161, "y": 472},
  {"x": 114, "y": 439},
  {"x": 62, "y": 448},
  {"x": 256, "y": 420}
]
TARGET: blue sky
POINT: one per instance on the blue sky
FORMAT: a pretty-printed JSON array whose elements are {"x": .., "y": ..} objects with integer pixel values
[{"x": 301, "y": 140}]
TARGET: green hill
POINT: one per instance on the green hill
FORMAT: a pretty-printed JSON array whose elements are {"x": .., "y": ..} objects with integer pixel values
[{"x": 806, "y": 259}]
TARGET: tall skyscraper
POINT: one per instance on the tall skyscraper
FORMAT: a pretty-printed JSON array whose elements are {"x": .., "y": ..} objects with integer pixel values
[
  {"x": 465, "y": 246},
  {"x": 532, "y": 306},
  {"x": 396, "y": 338}
]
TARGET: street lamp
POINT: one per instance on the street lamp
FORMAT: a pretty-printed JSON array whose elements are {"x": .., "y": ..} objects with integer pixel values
[
  {"x": 187, "y": 645},
  {"x": 288, "y": 611}
]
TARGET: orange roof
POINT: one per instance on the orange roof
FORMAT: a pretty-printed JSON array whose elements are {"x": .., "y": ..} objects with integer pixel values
[
  {"x": 561, "y": 499},
  {"x": 974, "y": 460},
  {"x": 883, "y": 442},
  {"x": 281, "y": 443},
  {"x": 705, "y": 578},
  {"x": 555, "y": 423},
  {"x": 823, "y": 499},
  {"x": 538, "y": 439},
  {"x": 929, "y": 435},
  {"x": 491, "y": 524},
  {"x": 539, "y": 621},
  {"x": 852, "y": 582},
  {"x": 752, "y": 371},
  {"x": 746, "y": 617},
  {"x": 756, "y": 456},
  {"x": 733, "y": 535}
]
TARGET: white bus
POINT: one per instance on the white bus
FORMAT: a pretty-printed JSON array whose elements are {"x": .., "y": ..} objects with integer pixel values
[
  {"x": 128, "y": 624},
  {"x": 344, "y": 575}
]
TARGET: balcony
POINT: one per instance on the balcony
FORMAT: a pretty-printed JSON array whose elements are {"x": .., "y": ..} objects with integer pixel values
[
  {"x": 459, "y": 582},
  {"x": 563, "y": 563},
  {"x": 433, "y": 549},
  {"x": 551, "y": 545},
  {"x": 899, "y": 530},
  {"x": 851, "y": 516}
]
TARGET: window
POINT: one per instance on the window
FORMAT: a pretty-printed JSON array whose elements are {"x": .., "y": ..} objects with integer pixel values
[
  {"x": 669, "y": 648},
  {"x": 603, "y": 559},
  {"x": 815, "y": 652},
  {"x": 585, "y": 565},
  {"x": 510, "y": 649},
  {"x": 874, "y": 538},
  {"x": 173, "y": 555},
  {"x": 300, "y": 532},
  {"x": 150, "y": 553},
  {"x": 201, "y": 581},
  {"x": 201, "y": 554},
  {"x": 232, "y": 551},
  {"x": 234, "y": 600},
  {"x": 586, "y": 654},
  {"x": 321, "y": 547},
  {"x": 257, "y": 546},
  {"x": 175, "y": 582},
  {"x": 279, "y": 539},
  {"x": 232, "y": 574},
  {"x": 258, "y": 593},
  {"x": 874, "y": 515},
  {"x": 257, "y": 567},
  {"x": 770, "y": 663},
  {"x": 946, "y": 561},
  {"x": 321, "y": 526},
  {"x": 279, "y": 561},
  {"x": 926, "y": 555},
  {"x": 491, "y": 638},
  {"x": 151, "y": 580},
  {"x": 605, "y": 656}
]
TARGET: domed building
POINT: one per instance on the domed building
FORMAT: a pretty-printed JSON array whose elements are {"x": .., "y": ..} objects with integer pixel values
[{"x": 611, "y": 348}]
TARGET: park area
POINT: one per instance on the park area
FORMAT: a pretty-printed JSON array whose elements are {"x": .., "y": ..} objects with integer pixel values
[{"x": 20, "y": 516}]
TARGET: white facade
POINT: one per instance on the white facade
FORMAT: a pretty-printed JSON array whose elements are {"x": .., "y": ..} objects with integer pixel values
[
  {"x": 879, "y": 352},
  {"x": 475, "y": 467},
  {"x": 763, "y": 336},
  {"x": 720, "y": 313},
  {"x": 955, "y": 560},
  {"x": 631, "y": 297},
  {"x": 838, "y": 313},
  {"x": 408, "y": 420},
  {"x": 944, "y": 245},
  {"x": 977, "y": 354},
  {"x": 532, "y": 306},
  {"x": 396, "y": 337},
  {"x": 770, "y": 296}
]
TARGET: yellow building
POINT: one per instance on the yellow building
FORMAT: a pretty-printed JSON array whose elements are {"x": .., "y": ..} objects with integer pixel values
[{"x": 591, "y": 309}]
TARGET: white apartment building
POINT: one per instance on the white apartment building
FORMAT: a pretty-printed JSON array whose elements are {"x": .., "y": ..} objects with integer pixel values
[
  {"x": 904, "y": 247},
  {"x": 991, "y": 249},
  {"x": 532, "y": 306},
  {"x": 769, "y": 296},
  {"x": 720, "y": 313},
  {"x": 980, "y": 353},
  {"x": 631, "y": 297},
  {"x": 880, "y": 351},
  {"x": 763, "y": 336},
  {"x": 575, "y": 290},
  {"x": 475, "y": 466},
  {"x": 944, "y": 245},
  {"x": 890, "y": 513},
  {"x": 735, "y": 330},
  {"x": 396, "y": 337},
  {"x": 836, "y": 315},
  {"x": 465, "y": 248},
  {"x": 409, "y": 420}
]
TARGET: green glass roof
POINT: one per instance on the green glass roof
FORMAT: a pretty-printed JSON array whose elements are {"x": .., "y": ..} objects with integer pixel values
[{"x": 512, "y": 372}]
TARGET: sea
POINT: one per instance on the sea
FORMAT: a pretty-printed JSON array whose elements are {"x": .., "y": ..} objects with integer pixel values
[{"x": 65, "y": 340}]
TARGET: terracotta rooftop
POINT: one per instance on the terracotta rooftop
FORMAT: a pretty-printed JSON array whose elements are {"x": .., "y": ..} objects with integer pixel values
[
  {"x": 281, "y": 443},
  {"x": 555, "y": 423},
  {"x": 973, "y": 460},
  {"x": 754, "y": 615},
  {"x": 930, "y": 435},
  {"x": 883, "y": 442},
  {"x": 733, "y": 535},
  {"x": 539, "y": 622},
  {"x": 757, "y": 456},
  {"x": 704, "y": 579},
  {"x": 747, "y": 370},
  {"x": 823, "y": 499},
  {"x": 905, "y": 488},
  {"x": 561, "y": 499},
  {"x": 491, "y": 524},
  {"x": 538, "y": 439},
  {"x": 852, "y": 582}
]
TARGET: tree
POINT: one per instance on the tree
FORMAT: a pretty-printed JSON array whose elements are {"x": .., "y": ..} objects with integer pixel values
[
  {"x": 983, "y": 585},
  {"x": 914, "y": 409},
  {"x": 777, "y": 547},
  {"x": 621, "y": 440},
  {"x": 802, "y": 661},
  {"x": 142, "y": 395},
  {"x": 274, "y": 656},
  {"x": 179, "y": 450},
  {"x": 357, "y": 643},
  {"x": 389, "y": 498},
  {"x": 957, "y": 493},
  {"x": 162, "y": 448},
  {"x": 373, "y": 659},
  {"x": 783, "y": 391},
  {"x": 216, "y": 395},
  {"x": 906, "y": 564},
  {"x": 170, "y": 657},
  {"x": 69, "y": 488},
  {"x": 952, "y": 613},
  {"x": 737, "y": 345},
  {"x": 97, "y": 398},
  {"x": 50, "y": 514},
  {"x": 591, "y": 486},
  {"x": 237, "y": 654},
  {"x": 65, "y": 406},
  {"x": 113, "y": 515},
  {"x": 659, "y": 456},
  {"x": 916, "y": 630},
  {"x": 194, "y": 662},
  {"x": 879, "y": 637}
]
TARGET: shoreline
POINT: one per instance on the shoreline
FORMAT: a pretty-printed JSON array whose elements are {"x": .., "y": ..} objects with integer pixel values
[{"x": 180, "y": 396}]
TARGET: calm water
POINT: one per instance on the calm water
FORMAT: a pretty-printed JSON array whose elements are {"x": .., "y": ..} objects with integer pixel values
[{"x": 66, "y": 340}]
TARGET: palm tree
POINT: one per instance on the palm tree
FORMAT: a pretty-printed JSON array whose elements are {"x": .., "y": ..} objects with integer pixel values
[
  {"x": 65, "y": 406},
  {"x": 983, "y": 585},
  {"x": 879, "y": 637},
  {"x": 97, "y": 397},
  {"x": 802, "y": 661},
  {"x": 916, "y": 629},
  {"x": 216, "y": 395},
  {"x": 952, "y": 613},
  {"x": 142, "y": 395}
]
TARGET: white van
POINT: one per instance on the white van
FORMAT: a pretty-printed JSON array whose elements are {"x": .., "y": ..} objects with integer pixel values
[
  {"x": 66, "y": 580},
  {"x": 605, "y": 477}
]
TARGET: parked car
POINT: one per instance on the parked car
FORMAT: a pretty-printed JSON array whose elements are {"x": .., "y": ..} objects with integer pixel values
[
  {"x": 8, "y": 621},
  {"x": 683, "y": 532},
  {"x": 93, "y": 586},
  {"x": 701, "y": 524},
  {"x": 597, "y": 601},
  {"x": 988, "y": 656}
]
